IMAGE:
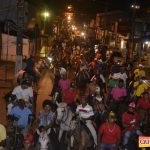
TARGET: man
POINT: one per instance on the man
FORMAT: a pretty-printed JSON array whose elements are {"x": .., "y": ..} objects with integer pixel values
[
  {"x": 140, "y": 88},
  {"x": 21, "y": 114},
  {"x": 119, "y": 92},
  {"x": 24, "y": 91},
  {"x": 2, "y": 136},
  {"x": 144, "y": 102},
  {"x": 30, "y": 64},
  {"x": 85, "y": 112},
  {"x": 62, "y": 71},
  {"x": 109, "y": 134},
  {"x": 130, "y": 121},
  {"x": 70, "y": 94},
  {"x": 123, "y": 76},
  {"x": 139, "y": 72}
]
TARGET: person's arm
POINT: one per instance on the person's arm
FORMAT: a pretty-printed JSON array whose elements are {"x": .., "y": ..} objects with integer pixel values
[
  {"x": 102, "y": 78},
  {"x": 125, "y": 124},
  {"x": 31, "y": 94}
]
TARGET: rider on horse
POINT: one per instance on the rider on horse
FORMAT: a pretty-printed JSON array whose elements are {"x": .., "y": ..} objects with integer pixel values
[{"x": 85, "y": 112}]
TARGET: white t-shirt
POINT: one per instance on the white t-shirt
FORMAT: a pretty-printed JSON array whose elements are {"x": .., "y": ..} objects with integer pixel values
[
  {"x": 124, "y": 77},
  {"x": 23, "y": 93},
  {"x": 62, "y": 71},
  {"x": 85, "y": 112}
]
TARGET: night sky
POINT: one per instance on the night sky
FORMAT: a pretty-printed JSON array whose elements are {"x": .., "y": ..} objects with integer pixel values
[{"x": 87, "y": 6}]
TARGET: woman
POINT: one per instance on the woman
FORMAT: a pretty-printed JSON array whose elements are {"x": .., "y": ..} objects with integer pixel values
[
  {"x": 109, "y": 134},
  {"x": 98, "y": 95}
]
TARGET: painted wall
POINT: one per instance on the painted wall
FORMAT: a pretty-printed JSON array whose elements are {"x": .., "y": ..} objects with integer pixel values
[{"x": 9, "y": 47}]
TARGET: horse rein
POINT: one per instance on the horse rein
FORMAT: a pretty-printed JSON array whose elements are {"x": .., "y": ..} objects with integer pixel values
[{"x": 64, "y": 122}]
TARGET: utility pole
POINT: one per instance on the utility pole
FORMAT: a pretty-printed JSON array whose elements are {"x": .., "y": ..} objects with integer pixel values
[{"x": 20, "y": 27}]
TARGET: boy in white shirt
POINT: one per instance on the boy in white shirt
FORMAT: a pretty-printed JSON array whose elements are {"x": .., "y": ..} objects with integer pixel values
[{"x": 85, "y": 112}]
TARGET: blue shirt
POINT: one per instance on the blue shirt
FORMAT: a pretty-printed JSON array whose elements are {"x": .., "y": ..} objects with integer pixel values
[
  {"x": 22, "y": 115},
  {"x": 45, "y": 120}
]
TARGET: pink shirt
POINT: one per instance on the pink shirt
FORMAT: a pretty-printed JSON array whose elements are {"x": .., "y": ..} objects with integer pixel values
[
  {"x": 117, "y": 93},
  {"x": 64, "y": 84}
]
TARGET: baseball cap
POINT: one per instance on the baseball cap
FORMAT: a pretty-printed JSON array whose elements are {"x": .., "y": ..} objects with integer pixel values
[
  {"x": 140, "y": 65},
  {"x": 132, "y": 105},
  {"x": 112, "y": 114}
]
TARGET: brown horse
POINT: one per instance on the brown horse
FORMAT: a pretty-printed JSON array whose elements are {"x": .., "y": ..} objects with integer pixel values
[{"x": 82, "y": 139}]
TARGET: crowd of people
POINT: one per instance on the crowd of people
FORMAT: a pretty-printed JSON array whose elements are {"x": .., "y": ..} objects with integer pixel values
[
  {"x": 118, "y": 103},
  {"x": 113, "y": 106}
]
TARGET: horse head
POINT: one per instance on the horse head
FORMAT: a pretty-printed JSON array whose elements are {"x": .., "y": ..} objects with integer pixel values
[
  {"x": 44, "y": 140},
  {"x": 61, "y": 112}
]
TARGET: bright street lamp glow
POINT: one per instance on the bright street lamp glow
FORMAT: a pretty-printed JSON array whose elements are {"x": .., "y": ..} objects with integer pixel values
[
  {"x": 50, "y": 59},
  {"x": 82, "y": 34},
  {"x": 69, "y": 7},
  {"x": 69, "y": 17},
  {"x": 146, "y": 42},
  {"x": 135, "y": 6},
  {"x": 46, "y": 14}
]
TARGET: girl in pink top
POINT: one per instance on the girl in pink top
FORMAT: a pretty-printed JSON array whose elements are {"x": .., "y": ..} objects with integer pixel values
[{"x": 64, "y": 83}]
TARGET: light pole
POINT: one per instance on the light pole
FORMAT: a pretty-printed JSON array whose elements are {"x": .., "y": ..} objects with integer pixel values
[
  {"x": 135, "y": 7},
  {"x": 45, "y": 15}
]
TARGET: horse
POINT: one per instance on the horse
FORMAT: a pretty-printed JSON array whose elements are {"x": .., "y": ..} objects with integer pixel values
[
  {"x": 82, "y": 78},
  {"x": 44, "y": 140},
  {"x": 77, "y": 136}
]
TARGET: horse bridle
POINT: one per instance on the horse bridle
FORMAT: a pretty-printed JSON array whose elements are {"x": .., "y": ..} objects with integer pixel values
[
  {"x": 65, "y": 112},
  {"x": 64, "y": 122}
]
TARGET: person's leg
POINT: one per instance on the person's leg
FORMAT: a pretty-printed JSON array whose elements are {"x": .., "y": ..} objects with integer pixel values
[
  {"x": 126, "y": 138},
  {"x": 138, "y": 132},
  {"x": 35, "y": 138},
  {"x": 92, "y": 130}
]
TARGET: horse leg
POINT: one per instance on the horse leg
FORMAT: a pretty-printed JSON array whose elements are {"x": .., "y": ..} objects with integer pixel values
[
  {"x": 60, "y": 135},
  {"x": 82, "y": 141}
]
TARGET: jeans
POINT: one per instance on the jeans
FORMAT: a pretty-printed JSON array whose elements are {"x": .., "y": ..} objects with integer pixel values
[
  {"x": 129, "y": 134},
  {"x": 108, "y": 146}
]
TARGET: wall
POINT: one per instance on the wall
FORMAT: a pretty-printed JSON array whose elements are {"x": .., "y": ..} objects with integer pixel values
[{"x": 9, "y": 47}]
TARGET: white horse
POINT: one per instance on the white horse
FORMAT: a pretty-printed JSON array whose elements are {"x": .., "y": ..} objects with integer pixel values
[
  {"x": 64, "y": 118},
  {"x": 79, "y": 138},
  {"x": 44, "y": 140}
]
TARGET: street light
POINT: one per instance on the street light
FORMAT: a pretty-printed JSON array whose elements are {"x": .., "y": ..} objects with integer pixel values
[
  {"x": 69, "y": 18},
  {"x": 82, "y": 34},
  {"x": 69, "y": 7},
  {"x": 135, "y": 6},
  {"x": 45, "y": 14}
]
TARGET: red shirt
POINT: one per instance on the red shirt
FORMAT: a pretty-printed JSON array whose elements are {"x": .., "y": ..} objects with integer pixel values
[
  {"x": 128, "y": 118},
  {"x": 69, "y": 95},
  {"x": 144, "y": 104},
  {"x": 110, "y": 133}
]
